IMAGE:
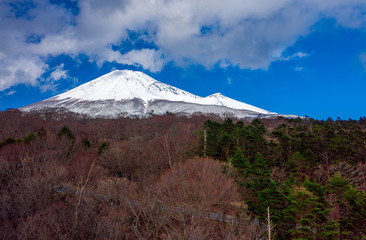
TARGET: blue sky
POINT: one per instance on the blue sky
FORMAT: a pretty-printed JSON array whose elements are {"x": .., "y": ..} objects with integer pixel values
[{"x": 287, "y": 56}]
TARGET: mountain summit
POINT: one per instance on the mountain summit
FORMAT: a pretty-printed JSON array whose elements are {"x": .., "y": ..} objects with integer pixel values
[{"x": 133, "y": 93}]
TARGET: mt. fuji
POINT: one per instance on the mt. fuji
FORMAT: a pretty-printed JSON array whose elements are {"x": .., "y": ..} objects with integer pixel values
[{"x": 133, "y": 93}]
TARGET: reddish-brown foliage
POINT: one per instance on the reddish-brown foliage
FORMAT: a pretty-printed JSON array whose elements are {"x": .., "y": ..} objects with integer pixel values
[{"x": 54, "y": 186}]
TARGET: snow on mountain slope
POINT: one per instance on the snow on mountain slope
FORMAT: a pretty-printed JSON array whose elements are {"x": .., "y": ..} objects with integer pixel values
[
  {"x": 221, "y": 100},
  {"x": 126, "y": 84},
  {"x": 135, "y": 93}
]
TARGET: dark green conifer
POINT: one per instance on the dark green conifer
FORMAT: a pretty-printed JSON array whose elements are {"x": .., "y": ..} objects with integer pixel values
[{"x": 65, "y": 131}]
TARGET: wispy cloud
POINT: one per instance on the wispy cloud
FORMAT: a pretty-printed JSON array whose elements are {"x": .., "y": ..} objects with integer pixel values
[
  {"x": 299, "y": 69},
  {"x": 50, "y": 83},
  {"x": 229, "y": 80},
  {"x": 10, "y": 93},
  {"x": 243, "y": 33},
  {"x": 362, "y": 57},
  {"x": 58, "y": 73},
  {"x": 294, "y": 56}
]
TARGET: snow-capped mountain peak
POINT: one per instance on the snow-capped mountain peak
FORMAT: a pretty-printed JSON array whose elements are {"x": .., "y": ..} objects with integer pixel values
[
  {"x": 216, "y": 95},
  {"x": 219, "y": 99},
  {"x": 137, "y": 94},
  {"x": 126, "y": 84}
]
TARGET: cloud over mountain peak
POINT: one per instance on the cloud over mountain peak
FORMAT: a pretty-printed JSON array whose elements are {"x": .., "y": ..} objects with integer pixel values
[{"x": 248, "y": 34}]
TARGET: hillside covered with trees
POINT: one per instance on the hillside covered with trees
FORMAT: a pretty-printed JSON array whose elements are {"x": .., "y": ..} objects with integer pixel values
[
  {"x": 64, "y": 176},
  {"x": 311, "y": 175}
]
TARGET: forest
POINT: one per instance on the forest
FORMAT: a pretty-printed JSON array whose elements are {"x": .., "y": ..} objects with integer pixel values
[{"x": 66, "y": 176}]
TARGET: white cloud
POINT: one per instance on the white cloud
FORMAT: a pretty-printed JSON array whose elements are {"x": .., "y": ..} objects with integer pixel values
[
  {"x": 363, "y": 60},
  {"x": 229, "y": 80},
  {"x": 147, "y": 58},
  {"x": 294, "y": 56},
  {"x": 24, "y": 69},
  {"x": 59, "y": 73},
  {"x": 299, "y": 69},
  {"x": 50, "y": 83},
  {"x": 10, "y": 93},
  {"x": 299, "y": 55},
  {"x": 244, "y": 33}
]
